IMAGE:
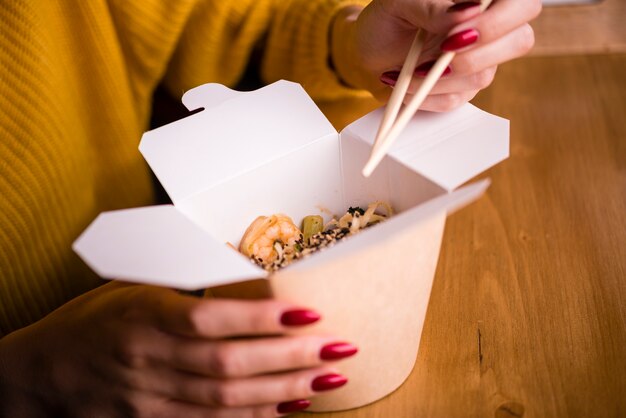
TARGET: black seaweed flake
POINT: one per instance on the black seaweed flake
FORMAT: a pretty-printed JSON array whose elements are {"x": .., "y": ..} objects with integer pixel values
[{"x": 352, "y": 210}]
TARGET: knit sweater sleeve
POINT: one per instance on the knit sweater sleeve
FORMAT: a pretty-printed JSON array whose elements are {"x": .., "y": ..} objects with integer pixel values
[
  {"x": 76, "y": 84},
  {"x": 289, "y": 37}
]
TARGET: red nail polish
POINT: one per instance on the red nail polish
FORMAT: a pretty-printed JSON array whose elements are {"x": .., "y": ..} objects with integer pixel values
[
  {"x": 299, "y": 317},
  {"x": 459, "y": 7},
  {"x": 460, "y": 40},
  {"x": 390, "y": 77},
  {"x": 293, "y": 406},
  {"x": 336, "y": 351},
  {"x": 328, "y": 382},
  {"x": 423, "y": 69}
]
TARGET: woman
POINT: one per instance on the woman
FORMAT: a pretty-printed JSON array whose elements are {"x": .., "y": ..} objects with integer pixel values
[{"x": 76, "y": 83}]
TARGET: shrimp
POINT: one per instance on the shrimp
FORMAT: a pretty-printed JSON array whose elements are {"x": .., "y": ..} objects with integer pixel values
[{"x": 269, "y": 238}]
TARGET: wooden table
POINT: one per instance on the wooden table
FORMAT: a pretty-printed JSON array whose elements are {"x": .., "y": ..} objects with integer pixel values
[{"x": 527, "y": 315}]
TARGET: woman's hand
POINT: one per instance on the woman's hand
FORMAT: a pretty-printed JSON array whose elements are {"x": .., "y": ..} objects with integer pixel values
[
  {"x": 140, "y": 351},
  {"x": 369, "y": 46}
]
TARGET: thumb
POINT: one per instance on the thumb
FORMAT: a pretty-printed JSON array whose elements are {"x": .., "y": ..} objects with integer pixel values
[{"x": 435, "y": 16}]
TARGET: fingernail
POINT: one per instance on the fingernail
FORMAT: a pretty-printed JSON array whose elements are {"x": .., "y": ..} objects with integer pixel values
[
  {"x": 336, "y": 351},
  {"x": 390, "y": 77},
  {"x": 423, "y": 69},
  {"x": 328, "y": 382},
  {"x": 460, "y": 40},
  {"x": 459, "y": 7},
  {"x": 299, "y": 317},
  {"x": 293, "y": 406}
]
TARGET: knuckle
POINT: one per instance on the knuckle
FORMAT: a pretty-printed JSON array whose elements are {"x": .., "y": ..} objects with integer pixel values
[
  {"x": 203, "y": 319},
  {"x": 224, "y": 362},
  {"x": 303, "y": 352},
  {"x": 451, "y": 101},
  {"x": 131, "y": 354},
  {"x": 295, "y": 355},
  {"x": 299, "y": 387},
  {"x": 225, "y": 395},
  {"x": 468, "y": 65},
  {"x": 195, "y": 320},
  {"x": 526, "y": 38},
  {"x": 483, "y": 79},
  {"x": 264, "y": 320},
  {"x": 259, "y": 323}
]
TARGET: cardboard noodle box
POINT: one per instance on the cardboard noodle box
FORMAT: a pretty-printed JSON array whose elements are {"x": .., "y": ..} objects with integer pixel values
[{"x": 272, "y": 151}]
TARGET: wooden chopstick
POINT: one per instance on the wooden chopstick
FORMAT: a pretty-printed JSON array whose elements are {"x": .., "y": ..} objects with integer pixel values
[
  {"x": 402, "y": 85},
  {"x": 381, "y": 146},
  {"x": 390, "y": 129}
]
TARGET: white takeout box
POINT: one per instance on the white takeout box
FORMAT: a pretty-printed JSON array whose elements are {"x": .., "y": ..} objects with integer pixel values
[{"x": 272, "y": 151}]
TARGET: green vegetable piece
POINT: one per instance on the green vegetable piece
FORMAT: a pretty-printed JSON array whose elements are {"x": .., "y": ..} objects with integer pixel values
[{"x": 311, "y": 225}]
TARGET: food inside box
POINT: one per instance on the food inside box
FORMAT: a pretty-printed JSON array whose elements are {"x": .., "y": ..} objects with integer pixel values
[{"x": 275, "y": 241}]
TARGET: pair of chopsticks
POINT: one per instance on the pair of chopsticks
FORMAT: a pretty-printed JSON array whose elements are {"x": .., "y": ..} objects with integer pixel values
[{"x": 388, "y": 130}]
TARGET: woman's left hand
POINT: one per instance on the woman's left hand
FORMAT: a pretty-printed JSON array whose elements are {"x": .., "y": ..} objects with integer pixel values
[{"x": 370, "y": 45}]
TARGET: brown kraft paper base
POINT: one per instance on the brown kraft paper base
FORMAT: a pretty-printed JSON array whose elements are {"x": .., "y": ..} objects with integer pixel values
[{"x": 375, "y": 298}]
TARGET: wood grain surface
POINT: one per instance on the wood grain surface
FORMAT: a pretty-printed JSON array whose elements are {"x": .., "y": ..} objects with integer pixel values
[
  {"x": 581, "y": 29},
  {"x": 527, "y": 315}
]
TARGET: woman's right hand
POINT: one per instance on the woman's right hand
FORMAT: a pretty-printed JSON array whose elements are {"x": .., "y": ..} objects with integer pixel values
[
  {"x": 369, "y": 46},
  {"x": 140, "y": 351}
]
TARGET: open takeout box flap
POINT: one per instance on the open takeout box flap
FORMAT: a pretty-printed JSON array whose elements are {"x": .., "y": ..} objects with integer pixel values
[
  {"x": 266, "y": 135},
  {"x": 235, "y": 133},
  {"x": 159, "y": 245},
  {"x": 448, "y": 148},
  {"x": 304, "y": 182},
  {"x": 207, "y": 96}
]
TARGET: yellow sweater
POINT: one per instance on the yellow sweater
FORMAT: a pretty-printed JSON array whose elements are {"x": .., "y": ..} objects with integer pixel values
[{"x": 76, "y": 81}]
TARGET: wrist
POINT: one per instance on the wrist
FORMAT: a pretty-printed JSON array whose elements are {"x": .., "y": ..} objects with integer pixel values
[
  {"x": 343, "y": 53},
  {"x": 348, "y": 41}
]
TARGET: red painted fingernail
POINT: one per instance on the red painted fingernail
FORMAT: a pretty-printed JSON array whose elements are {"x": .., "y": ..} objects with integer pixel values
[
  {"x": 328, "y": 382},
  {"x": 390, "y": 77},
  {"x": 299, "y": 317},
  {"x": 423, "y": 69},
  {"x": 336, "y": 351},
  {"x": 463, "y": 6},
  {"x": 293, "y": 406},
  {"x": 460, "y": 40}
]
